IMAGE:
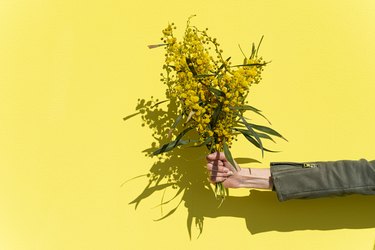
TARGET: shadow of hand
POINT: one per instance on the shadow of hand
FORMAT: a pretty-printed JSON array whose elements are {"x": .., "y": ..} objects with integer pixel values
[
  {"x": 183, "y": 172},
  {"x": 263, "y": 212}
]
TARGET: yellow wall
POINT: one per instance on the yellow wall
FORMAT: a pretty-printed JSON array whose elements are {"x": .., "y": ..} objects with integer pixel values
[{"x": 71, "y": 70}]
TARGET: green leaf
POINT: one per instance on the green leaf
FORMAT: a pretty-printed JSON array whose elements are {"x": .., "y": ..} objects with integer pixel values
[
  {"x": 178, "y": 119},
  {"x": 250, "y": 64},
  {"x": 206, "y": 142},
  {"x": 223, "y": 65},
  {"x": 253, "y": 50},
  {"x": 255, "y": 143},
  {"x": 217, "y": 92},
  {"x": 251, "y": 108},
  {"x": 130, "y": 116},
  {"x": 204, "y": 75},
  {"x": 215, "y": 115},
  {"x": 176, "y": 122},
  {"x": 171, "y": 145},
  {"x": 191, "y": 67},
  {"x": 239, "y": 46},
  {"x": 253, "y": 133},
  {"x": 152, "y": 46},
  {"x": 228, "y": 155},
  {"x": 261, "y": 135},
  {"x": 260, "y": 42},
  {"x": 265, "y": 136},
  {"x": 156, "y": 104},
  {"x": 178, "y": 138},
  {"x": 267, "y": 130}
]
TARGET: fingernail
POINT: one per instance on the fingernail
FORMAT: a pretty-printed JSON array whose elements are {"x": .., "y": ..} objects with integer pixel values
[{"x": 230, "y": 173}]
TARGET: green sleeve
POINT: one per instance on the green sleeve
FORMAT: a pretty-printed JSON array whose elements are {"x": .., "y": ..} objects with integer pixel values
[{"x": 293, "y": 180}]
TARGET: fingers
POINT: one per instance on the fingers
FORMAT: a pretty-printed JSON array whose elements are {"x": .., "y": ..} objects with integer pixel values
[
  {"x": 221, "y": 174},
  {"x": 216, "y": 156},
  {"x": 215, "y": 163},
  {"x": 219, "y": 167},
  {"x": 215, "y": 179},
  {"x": 218, "y": 172}
]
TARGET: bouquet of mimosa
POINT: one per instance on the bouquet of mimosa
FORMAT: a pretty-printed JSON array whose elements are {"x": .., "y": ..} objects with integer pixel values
[{"x": 210, "y": 93}]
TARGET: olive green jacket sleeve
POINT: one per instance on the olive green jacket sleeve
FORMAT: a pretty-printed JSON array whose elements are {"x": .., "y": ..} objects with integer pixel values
[{"x": 318, "y": 179}]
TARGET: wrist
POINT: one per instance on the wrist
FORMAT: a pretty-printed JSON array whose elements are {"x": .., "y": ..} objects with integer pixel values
[{"x": 254, "y": 178}]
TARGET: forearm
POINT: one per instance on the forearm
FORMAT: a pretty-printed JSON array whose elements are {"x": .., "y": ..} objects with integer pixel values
[{"x": 253, "y": 178}]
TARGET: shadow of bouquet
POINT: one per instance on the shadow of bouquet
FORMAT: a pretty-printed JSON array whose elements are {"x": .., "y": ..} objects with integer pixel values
[{"x": 179, "y": 171}]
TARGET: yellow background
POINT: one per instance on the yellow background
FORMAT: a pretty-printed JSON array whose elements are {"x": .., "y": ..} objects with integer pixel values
[{"x": 71, "y": 70}]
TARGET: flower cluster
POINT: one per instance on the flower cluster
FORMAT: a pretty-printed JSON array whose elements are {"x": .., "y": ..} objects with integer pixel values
[{"x": 211, "y": 92}]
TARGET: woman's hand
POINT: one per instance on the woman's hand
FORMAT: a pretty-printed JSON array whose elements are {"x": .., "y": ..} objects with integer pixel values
[{"x": 220, "y": 170}]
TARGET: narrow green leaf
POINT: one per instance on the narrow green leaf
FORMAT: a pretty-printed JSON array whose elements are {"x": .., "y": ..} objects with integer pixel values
[
  {"x": 267, "y": 130},
  {"x": 191, "y": 67},
  {"x": 130, "y": 116},
  {"x": 152, "y": 46},
  {"x": 253, "y": 133},
  {"x": 250, "y": 138},
  {"x": 212, "y": 146},
  {"x": 215, "y": 115},
  {"x": 261, "y": 135},
  {"x": 217, "y": 92},
  {"x": 253, "y": 50},
  {"x": 239, "y": 46},
  {"x": 260, "y": 42},
  {"x": 251, "y": 108},
  {"x": 223, "y": 65},
  {"x": 178, "y": 138},
  {"x": 174, "y": 125},
  {"x": 206, "y": 142},
  {"x": 204, "y": 75},
  {"x": 246, "y": 107},
  {"x": 228, "y": 155},
  {"x": 256, "y": 144},
  {"x": 266, "y": 136},
  {"x": 178, "y": 119},
  {"x": 156, "y": 104},
  {"x": 250, "y": 64},
  {"x": 171, "y": 145}
]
